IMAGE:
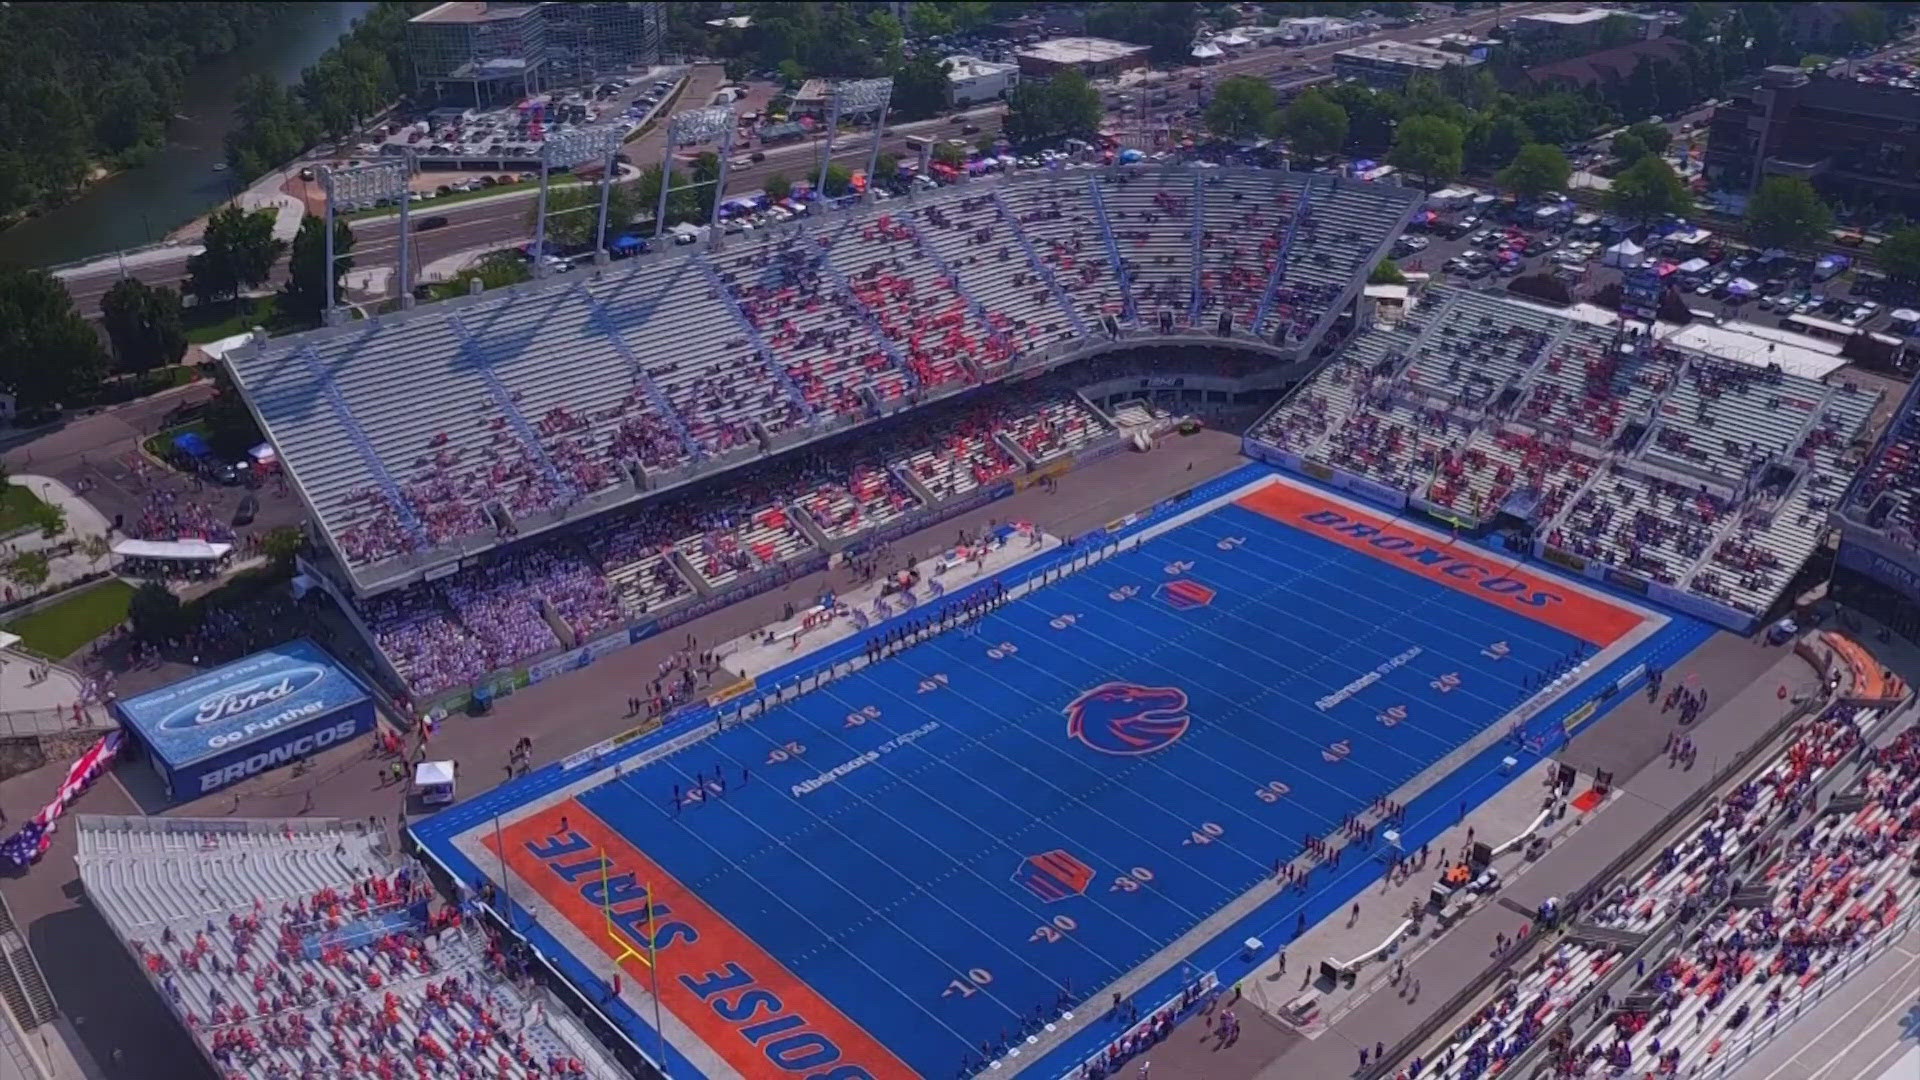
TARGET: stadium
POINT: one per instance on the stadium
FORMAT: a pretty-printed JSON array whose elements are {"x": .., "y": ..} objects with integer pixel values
[{"x": 1058, "y": 797}]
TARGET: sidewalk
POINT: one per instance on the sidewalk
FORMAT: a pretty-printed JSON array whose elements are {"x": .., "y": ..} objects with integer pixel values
[{"x": 83, "y": 522}]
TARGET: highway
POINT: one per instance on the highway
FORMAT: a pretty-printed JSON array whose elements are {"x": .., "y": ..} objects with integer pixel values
[{"x": 507, "y": 220}]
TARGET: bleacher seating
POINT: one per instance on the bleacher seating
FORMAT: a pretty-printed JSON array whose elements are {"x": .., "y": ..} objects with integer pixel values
[
  {"x": 431, "y": 434},
  {"x": 298, "y": 949},
  {"x": 1709, "y": 476},
  {"x": 1887, "y": 498},
  {"x": 1835, "y": 881}
]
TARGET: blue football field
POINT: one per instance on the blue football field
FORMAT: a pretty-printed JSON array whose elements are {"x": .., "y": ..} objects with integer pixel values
[{"x": 951, "y": 842}]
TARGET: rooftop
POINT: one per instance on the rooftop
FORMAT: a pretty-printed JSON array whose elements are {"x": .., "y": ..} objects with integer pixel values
[
  {"x": 1401, "y": 52},
  {"x": 1615, "y": 63},
  {"x": 972, "y": 67},
  {"x": 1571, "y": 18},
  {"x": 471, "y": 11},
  {"x": 1080, "y": 50}
]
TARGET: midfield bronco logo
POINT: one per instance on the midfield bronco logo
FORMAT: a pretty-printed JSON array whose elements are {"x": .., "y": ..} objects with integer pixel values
[{"x": 1124, "y": 718}]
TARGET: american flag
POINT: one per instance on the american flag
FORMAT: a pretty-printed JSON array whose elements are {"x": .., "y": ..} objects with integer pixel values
[{"x": 25, "y": 847}]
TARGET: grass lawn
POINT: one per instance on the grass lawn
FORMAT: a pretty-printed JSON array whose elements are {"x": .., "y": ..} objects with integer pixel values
[
  {"x": 61, "y": 630},
  {"x": 161, "y": 445},
  {"x": 17, "y": 505},
  {"x": 224, "y": 320}
]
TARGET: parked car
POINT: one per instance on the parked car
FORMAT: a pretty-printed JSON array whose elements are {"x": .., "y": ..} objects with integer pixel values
[{"x": 435, "y": 221}]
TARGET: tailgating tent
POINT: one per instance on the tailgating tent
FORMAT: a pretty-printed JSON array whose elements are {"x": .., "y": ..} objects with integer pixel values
[
  {"x": 1742, "y": 287},
  {"x": 262, "y": 455},
  {"x": 1625, "y": 254},
  {"x": 628, "y": 242},
  {"x": 1694, "y": 266},
  {"x": 1906, "y": 315},
  {"x": 1207, "y": 52},
  {"x": 175, "y": 550},
  {"x": 192, "y": 445}
]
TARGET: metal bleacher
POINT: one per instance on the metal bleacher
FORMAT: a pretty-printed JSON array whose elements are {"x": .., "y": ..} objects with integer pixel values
[{"x": 293, "y": 948}]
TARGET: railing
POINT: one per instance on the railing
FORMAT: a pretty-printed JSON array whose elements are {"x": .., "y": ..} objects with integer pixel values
[
  {"x": 778, "y": 370},
  {"x": 974, "y": 305},
  {"x": 867, "y": 316},
  {"x": 661, "y": 405},
  {"x": 1279, "y": 274},
  {"x": 1039, "y": 266},
  {"x": 503, "y": 400},
  {"x": 1120, "y": 274},
  {"x": 33, "y": 723},
  {"x": 1195, "y": 230},
  {"x": 364, "y": 445}
]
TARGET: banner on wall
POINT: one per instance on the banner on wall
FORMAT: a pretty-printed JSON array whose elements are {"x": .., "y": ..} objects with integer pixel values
[
  {"x": 732, "y": 690},
  {"x": 1317, "y": 471},
  {"x": 1580, "y": 716},
  {"x": 571, "y": 660},
  {"x": 1566, "y": 559},
  {"x": 1624, "y": 580},
  {"x": 1391, "y": 498},
  {"x": 1700, "y": 607}
]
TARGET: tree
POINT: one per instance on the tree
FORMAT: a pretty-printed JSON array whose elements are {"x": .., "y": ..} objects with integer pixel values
[
  {"x": 1243, "y": 109},
  {"x": 685, "y": 203},
  {"x": 1428, "y": 147},
  {"x": 495, "y": 270},
  {"x": 156, "y": 614},
  {"x": 791, "y": 73},
  {"x": 949, "y": 154},
  {"x": 887, "y": 165},
  {"x": 1370, "y": 114},
  {"x": 1316, "y": 127},
  {"x": 1655, "y": 137},
  {"x": 1787, "y": 213},
  {"x": 1055, "y": 108},
  {"x": 1166, "y": 28},
  {"x": 920, "y": 87},
  {"x": 1537, "y": 169},
  {"x": 281, "y": 545},
  {"x": 1387, "y": 273},
  {"x": 778, "y": 186},
  {"x": 839, "y": 180},
  {"x": 1493, "y": 140},
  {"x": 1628, "y": 149},
  {"x": 1648, "y": 189},
  {"x": 49, "y": 354},
  {"x": 1899, "y": 256},
  {"x": 304, "y": 297},
  {"x": 49, "y": 518},
  {"x": 240, "y": 252},
  {"x": 144, "y": 325}
]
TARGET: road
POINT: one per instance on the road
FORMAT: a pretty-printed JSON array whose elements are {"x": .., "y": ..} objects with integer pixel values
[{"x": 507, "y": 220}]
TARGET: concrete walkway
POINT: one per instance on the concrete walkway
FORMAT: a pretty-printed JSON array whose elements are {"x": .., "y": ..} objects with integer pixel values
[{"x": 83, "y": 522}]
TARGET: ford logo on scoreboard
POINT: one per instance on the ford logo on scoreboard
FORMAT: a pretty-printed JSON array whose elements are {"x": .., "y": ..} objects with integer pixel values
[{"x": 234, "y": 702}]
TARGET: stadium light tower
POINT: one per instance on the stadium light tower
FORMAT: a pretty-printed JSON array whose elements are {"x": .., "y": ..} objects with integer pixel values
[
  {"x": 360, "y": 187},
  {"x": 691, "y": 128},
  {"x": 855, "y": 98},
  {"x": 567, "y": 150}
]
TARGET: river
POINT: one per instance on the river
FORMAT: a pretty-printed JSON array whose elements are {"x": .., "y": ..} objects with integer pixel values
[{"x": 179, "y": 182}]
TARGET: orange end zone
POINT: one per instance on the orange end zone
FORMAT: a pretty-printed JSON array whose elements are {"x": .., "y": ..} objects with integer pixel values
[
  {"x": 746, "y": 1006},
  {"x": 1458, "y": 566}
]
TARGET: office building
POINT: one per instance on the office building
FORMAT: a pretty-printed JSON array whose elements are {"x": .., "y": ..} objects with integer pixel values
[
  {"x": 482, "y": 52},
  {"x": 1853, "y": 133},
  {"x": 971, "y": 80}
]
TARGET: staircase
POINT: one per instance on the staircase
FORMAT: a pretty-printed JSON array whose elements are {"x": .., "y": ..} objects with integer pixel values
[
  {"x": 778, "y": 370},
  {"x": 503, "y": 400},
  {"x": 1279, "y": 274},
  {"x": 867, "y": 316},
  {"x": 362, "y": 445},
  {"x": 946, "y": 271},
  {"x": 1196, "y": 231},
  {"x": 1128, "y": 310},
  {"x": 22, "y": 986},
  {"x": 665, "y": 408},
  {"x": 1039, "y": 267}
]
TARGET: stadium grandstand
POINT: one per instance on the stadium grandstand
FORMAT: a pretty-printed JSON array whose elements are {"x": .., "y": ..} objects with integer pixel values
[
  {"x": 1702, "y": 482},
  {"x": 303, "y": 948},
  {"x": 1879, "y": 558},
  {"x": 1799, "y": 873},
  {"x": 599, "y": 412}
]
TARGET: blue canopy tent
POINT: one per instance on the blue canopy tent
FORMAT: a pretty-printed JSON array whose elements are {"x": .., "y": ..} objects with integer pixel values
[
  {"x": 629, "y": 242},
  {"x": 192, "y": 445}
]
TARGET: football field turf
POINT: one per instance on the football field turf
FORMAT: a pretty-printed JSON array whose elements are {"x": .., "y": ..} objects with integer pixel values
[{"x": 903, "y": 871}]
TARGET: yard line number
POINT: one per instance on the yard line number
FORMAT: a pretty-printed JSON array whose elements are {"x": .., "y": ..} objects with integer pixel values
[{"x": 969, "y": 986}]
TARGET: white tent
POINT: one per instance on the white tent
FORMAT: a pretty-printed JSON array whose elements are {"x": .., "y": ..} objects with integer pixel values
[
  {"x": 1694, "y": 266},
  {"x": 1626, "y": 254},
  {"x": 178, "y": 550}
]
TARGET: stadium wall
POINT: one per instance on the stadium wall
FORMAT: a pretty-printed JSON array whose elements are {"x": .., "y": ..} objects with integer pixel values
[{"x": 1874, "y": 555}]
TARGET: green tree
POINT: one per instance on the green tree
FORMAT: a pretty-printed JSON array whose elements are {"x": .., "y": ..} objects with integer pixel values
[
  {"x": 778, "y": 186},
  {"x": 887, "y": 165},
  {"x": 240, "y": 254},
  {"x": 1627, "y": 149},
  {"x": 573, "y": 212},
  {"x": 50, "y": 519},
  {"x": 1370, "y": 114},
  {"x": 1166, "y": 28},
  {"x": 1655, "y": 137},
  {"x": 1042, "y": 111},
  {"x": 948, "y": 154},
  {"x": 1494, "y": 139},
  {"x": 1899, "y": 256},
  {"x": 1243, "y": 108},
  {"x": 1787, "y": 213},
  {"x": 685, "y": 203},
  {"x": 839, "y": 180},
  {"x": 920, "y": 87},
  {"x": 1537, "y": 169},
  {"x": 49, "y": 354},
  {"x": 304, "y": 297},
  {"x": 281, "y": 545},
  {"x": 791, "y": 73},
  {"x": 144, "y": 325},
  {"x": 1386, "y": 273},
  {"x": 495, "y": 270},
  {"x": 1560, "y": 118},
  {"x": 1648, "y": 189},
  {"x": 1316, "y": 127},
  {"x": 156, "y": 614},
  {"x": 1428, "y": 147}
]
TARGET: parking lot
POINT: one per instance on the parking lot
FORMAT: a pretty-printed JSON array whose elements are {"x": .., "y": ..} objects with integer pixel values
[{"x": 1483, "y": 251}]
